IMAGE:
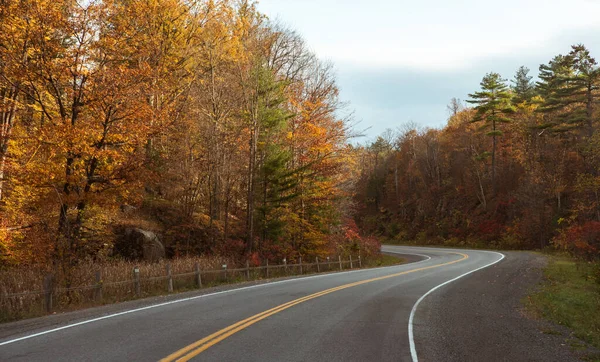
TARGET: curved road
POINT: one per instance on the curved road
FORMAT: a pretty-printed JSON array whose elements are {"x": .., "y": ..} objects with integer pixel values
[{"x": 350, "y": 316}]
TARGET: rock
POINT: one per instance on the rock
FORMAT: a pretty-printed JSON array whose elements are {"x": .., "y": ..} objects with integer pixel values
[
  {"x": 138, "y": 244},
  {"x": 127, "y": 209}
]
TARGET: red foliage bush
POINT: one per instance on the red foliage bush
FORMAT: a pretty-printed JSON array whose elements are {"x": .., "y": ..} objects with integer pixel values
[
  {"x": 349, "y": 241},
  {"x": 254, "y": 259},
  {"x": 271, "y": 251},
  {"x": 581, "y": 240},
  {"x": 489, "y": 230},
  {"x": 233, "y": 248}
]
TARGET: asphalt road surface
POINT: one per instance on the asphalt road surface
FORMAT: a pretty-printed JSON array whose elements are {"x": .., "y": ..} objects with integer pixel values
[{"x": 363, "y": 315}]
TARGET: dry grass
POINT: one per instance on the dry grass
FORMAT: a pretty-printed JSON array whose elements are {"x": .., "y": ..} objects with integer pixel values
[
  {"x": 21, "y": 290},
  {"x": 25, "y": 285}
]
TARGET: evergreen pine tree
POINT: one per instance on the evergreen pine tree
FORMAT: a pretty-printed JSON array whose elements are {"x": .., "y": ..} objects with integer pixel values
[
  {"x": 522, "y": 86},
  {"x": 493, "y": 105},
  {"x": 275, "y": 179},
  {"x": 569, "y": 85}
]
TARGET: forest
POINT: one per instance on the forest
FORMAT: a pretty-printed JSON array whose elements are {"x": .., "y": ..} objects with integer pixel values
[
  {"x": 217, "y": 129},
  {"x": 201, "y": 121},
  {"x": 516, "y": 166}
]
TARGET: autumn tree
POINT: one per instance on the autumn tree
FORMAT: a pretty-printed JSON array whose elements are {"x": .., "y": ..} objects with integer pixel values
[
  {"x": 90, "y": 105},
  {"x": 202, "y": 121},
  {"x": 13, "y": 45},
  {"x": 454, "y": 107}
]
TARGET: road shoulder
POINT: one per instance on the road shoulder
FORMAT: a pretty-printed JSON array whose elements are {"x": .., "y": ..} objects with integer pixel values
[{"x": 482, "y": 318}]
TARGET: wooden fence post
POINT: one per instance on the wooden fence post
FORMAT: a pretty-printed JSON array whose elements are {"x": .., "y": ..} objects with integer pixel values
[
  {"x": 48, "y": 292},
  {"x": 267, "y": 268},
  {"x": 98, "y": 290},
  {"x": 351, "y": 262},
  {"x": 136, "y": 281},
  {"x": 318, "y": 269},
  {"x": 328, "y": 264},
  {"x": 247, "y": 270},
  {"x": 169, "y": 279},
  {"x": 359, "y": 262},
  {"x": 301, "y": 266},
  {"x": 340, "y": 259},
  {"x": 198, "y": 275}
]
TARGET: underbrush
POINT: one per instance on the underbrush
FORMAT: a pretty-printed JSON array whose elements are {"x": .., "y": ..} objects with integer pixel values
[
  {"x": 383, "y": 260},
  {"x": 505, "y": 243}
]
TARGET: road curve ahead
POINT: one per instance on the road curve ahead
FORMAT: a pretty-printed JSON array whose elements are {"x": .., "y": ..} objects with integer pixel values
[{"x": 363, "y": 315}]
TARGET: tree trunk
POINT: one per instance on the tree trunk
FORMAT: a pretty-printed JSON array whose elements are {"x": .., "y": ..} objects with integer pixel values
[
  {"x": 264, "y": 206},
  {"x": 597, "y": 205},
  {"x": 215, "y": 117},
  {"x": 481, "y": 190},
  {"x": 250, "y": 189},
  {"x": 590, "y": 111},
  {"x": 396, "y": 181},
  {"x": 63, "y": 222},
  {"x": 8, "y": 100},
  {"x": 2, "y": 166},
  {"x": 494, "y": 187},
  {"x": 226, "y": 224}
]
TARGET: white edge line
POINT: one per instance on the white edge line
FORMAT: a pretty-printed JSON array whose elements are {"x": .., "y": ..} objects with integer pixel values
[
  {"x": 198, "y": 297},
  {"x": 413, "y": 350}
]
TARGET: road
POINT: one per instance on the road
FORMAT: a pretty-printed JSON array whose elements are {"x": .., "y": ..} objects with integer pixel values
[{"x": 364, "y": 315}]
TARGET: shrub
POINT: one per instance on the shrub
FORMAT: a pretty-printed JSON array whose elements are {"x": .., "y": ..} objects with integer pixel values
[
  {"x": 453, "y": 241},
  {"x": 510, "y": 241},
  {"x": 421, "y": 238},
  {"x": 581, "y": 240}
]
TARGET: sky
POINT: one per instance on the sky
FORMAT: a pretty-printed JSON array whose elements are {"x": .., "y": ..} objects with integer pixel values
[{"x": 402, "y": 61}]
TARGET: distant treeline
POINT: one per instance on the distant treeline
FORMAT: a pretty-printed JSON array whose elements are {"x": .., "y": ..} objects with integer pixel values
[{"x": 519, "y": 168}]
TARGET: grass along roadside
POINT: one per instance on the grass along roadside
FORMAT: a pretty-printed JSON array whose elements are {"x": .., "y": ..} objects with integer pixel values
[
  {"x": 570, "y": 296},
  {"x": 383, "y": 260}
]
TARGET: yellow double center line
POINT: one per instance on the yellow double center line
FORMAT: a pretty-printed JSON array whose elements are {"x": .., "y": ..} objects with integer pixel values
[{"x": 194, "y": 349}]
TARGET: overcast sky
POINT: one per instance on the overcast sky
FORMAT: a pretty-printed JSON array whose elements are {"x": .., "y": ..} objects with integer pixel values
[{"x": 400, "y": 61}]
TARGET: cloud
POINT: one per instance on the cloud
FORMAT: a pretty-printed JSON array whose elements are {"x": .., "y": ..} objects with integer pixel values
[
  {"x": 430, "y": 34},
  {"x": 386, "y": 97},
  {"x": 401, "y": 61}
]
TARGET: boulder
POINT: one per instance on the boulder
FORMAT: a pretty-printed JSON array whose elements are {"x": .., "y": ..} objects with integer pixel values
[
  {"x": 127, "y": 209},
  {"x": 138, "y": 244}
]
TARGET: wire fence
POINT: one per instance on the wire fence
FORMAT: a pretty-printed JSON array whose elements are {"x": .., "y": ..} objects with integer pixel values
[{"x": 52, "y": 297}]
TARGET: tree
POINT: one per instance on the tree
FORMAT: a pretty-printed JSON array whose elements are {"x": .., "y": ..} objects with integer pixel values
[
  {"x": 16, "y": 38},
  {"x": 274, "y": 175},
  {"x": 522, "y": 86},
  {"x": 493, "y": 105},
  {"x": 219, "y": 127},
  {"x": 89, "y": 105},
  {"x": 454, "y": 107},
  {"x": 569, "y": 85},
  {"x": 585, "y": 86}
]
